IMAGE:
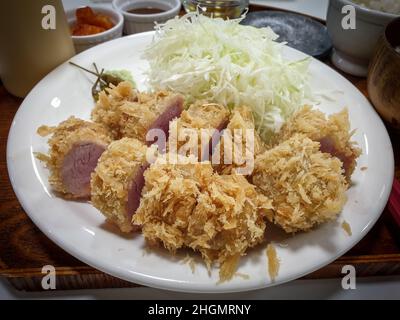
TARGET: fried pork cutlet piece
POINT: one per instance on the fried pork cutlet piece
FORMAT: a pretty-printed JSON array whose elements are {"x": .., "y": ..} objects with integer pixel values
[
  {"x": 75, "y": 147},
  {"x": 238, "y": 153},
  {"x": 187, "y": 205},
  {"x": 131, "y": 114},
  {"x": 333, "y": 133},
  {"x": 118, "y": 180},
  {"x": 197, "y": 129},
  {"x": 306, "y": 185},
  {"x": 140, "y": 117},
  {"x": 107, "y": 110}
]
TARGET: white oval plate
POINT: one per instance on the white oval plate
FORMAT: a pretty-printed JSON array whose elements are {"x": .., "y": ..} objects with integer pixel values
[{"x": 80, "y": 229}]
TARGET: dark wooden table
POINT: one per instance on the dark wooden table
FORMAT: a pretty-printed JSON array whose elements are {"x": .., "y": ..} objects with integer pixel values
[{"x": 24, "y": 249}]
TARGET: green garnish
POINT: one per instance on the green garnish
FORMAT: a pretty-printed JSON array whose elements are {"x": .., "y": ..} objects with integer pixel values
[{"x": 106, "y": 78}]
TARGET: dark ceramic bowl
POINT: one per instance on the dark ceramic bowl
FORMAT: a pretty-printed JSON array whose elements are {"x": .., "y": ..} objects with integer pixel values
[{"x": 300, "y": 32}]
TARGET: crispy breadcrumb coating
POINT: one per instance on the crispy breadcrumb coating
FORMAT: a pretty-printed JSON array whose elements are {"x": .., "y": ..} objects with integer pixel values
[
  {"x": 187, "y": 205},
  {"x": 202, "y": 115},
  {"x": 138, "y": 117},
  {"x": 65, "y": 136},
  {"x": 241, "y": 122},
  {"x": 273, "y": 261},
  {"x": 129, "y": 113},
  {"x": 107, "y": 110},
  {"x": 306, "y": 185},
  {"x": 333, "y": 133},
  {"x": 112, "y": 179},
  {"x": 185, "y": 134},
  {"x": 347, "y": 228},
  {"x": 307, "y": 121}
]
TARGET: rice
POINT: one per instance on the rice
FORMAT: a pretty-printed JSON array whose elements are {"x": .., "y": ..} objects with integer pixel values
[{"x": 389, "y": 6}]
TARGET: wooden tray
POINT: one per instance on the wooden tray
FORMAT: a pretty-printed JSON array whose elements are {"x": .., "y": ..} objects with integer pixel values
[{"x": 24, "y": 249}]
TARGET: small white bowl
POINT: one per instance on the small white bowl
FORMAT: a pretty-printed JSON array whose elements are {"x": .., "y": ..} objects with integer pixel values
[
  {"x": 353, "y": 48},
  {"x": 82, "y": 43},
  {"x": 135, "y": 23}
]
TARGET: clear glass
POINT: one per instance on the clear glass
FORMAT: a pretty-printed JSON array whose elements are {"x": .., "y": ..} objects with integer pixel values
[{"x": 217, "y": 8}]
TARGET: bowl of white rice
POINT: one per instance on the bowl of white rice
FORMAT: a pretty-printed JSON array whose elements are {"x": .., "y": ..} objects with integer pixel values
[
  {"x": 355, "y": 27},
  {"x": 388, "y": 6}
]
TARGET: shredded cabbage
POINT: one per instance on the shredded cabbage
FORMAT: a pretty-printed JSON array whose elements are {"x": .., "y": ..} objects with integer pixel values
[{"x": 225, "y": 62}]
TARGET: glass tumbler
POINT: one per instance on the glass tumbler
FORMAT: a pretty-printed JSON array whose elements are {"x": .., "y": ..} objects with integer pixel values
[{"x": 217, "y": 8}]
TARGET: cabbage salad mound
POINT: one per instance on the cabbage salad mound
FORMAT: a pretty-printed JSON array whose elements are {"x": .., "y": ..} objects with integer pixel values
[{"x": 228, "y": 63}]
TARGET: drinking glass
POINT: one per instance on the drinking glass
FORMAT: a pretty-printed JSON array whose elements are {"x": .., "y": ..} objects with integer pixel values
[{"x": 217, "y": 8}]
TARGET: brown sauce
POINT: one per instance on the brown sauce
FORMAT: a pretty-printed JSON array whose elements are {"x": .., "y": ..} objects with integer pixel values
[{"x": 147, "y": 10}]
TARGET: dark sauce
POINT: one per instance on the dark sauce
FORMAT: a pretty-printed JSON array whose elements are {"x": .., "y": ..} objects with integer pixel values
[{"x": 147, "y": 10}]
